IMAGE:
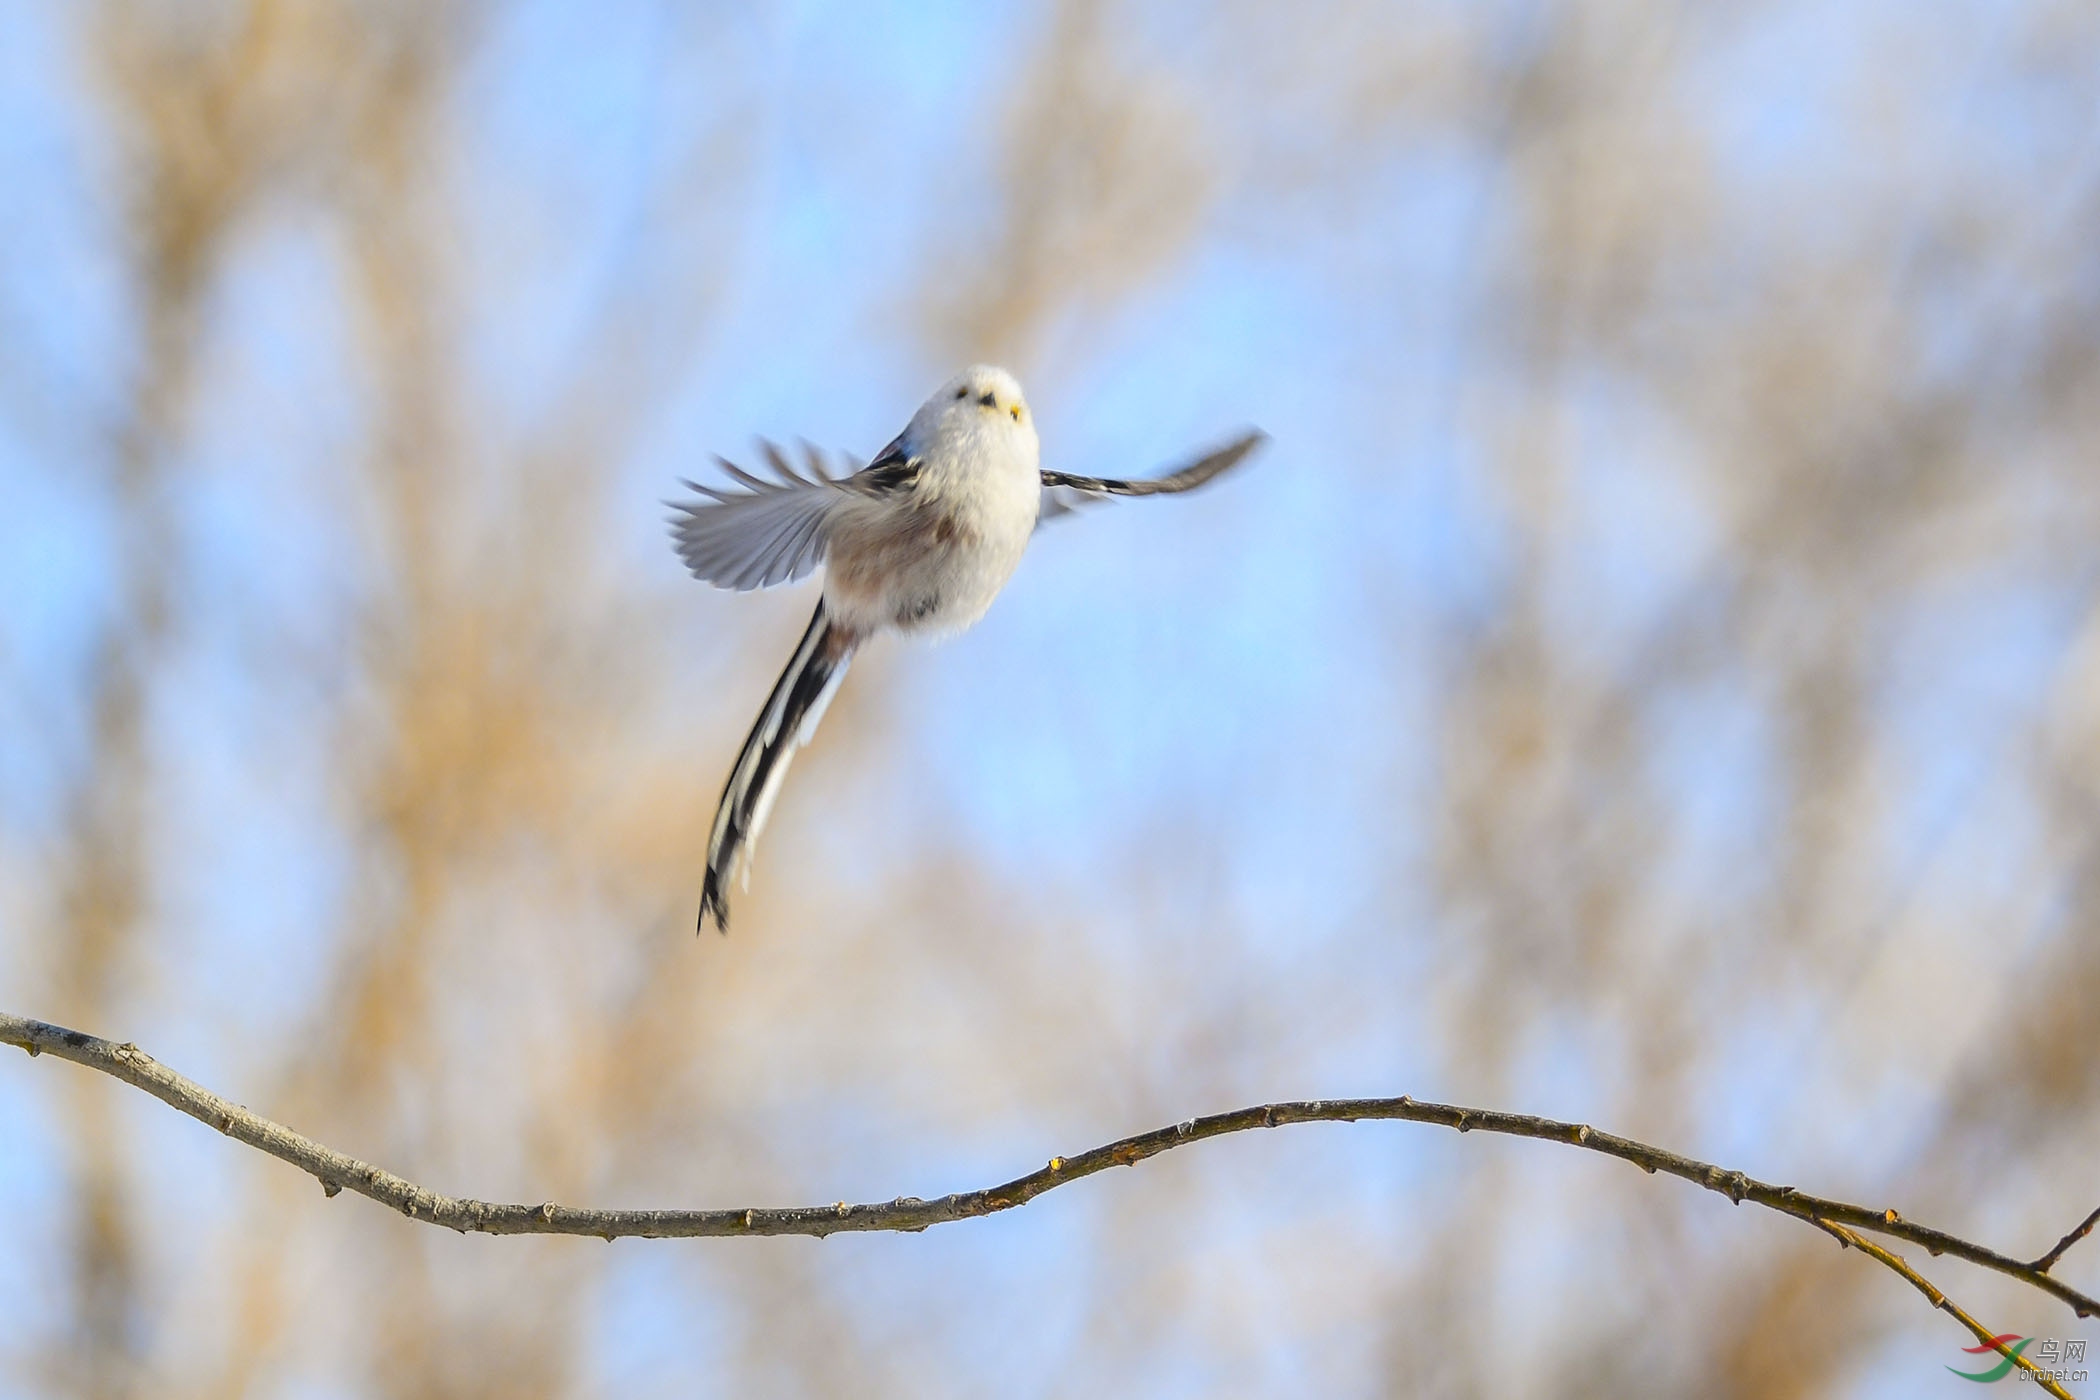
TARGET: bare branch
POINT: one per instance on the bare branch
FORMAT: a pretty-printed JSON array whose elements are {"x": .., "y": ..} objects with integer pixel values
[
  {"x": 2085, "y": 1227},
  {"x": 336, "y": 1171},
  {"x": 1941, "y": 1301}
]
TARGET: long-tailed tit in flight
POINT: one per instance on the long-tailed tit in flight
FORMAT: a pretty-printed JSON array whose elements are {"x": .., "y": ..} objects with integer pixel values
[{"x": 920, "y": 540}]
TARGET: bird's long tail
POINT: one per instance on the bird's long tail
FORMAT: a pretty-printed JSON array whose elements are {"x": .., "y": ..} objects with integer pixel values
[{"x": 785, "y": 724}]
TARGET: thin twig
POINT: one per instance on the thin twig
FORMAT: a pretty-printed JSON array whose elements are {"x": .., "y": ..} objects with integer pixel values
[
  {"x": 1943, "y": 1303},
  {"x": 2085, "y": 1227},
  {"x": 337, "y": 1172}
]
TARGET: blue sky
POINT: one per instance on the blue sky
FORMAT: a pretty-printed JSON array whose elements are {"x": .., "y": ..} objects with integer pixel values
[{"x": 1260, "y": 674}]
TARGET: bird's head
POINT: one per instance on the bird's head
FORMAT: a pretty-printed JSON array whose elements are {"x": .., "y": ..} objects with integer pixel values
[{"x": 983, "y": 401}]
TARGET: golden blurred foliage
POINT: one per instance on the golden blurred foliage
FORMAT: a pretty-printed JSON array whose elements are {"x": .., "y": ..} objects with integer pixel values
[{"x": 1676, "y": 848}]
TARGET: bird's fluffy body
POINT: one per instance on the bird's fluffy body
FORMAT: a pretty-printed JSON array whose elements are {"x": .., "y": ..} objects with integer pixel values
[
  {"x": 920, "y": 541},
  {"x": 930, "y": 554}
]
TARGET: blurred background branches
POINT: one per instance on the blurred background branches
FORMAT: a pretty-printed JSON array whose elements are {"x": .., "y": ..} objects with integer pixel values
[{"x": 1654, "y": 679}]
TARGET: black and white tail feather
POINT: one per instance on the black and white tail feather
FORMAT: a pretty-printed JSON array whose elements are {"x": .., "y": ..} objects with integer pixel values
[
  {"x": 919, "y": 540},
  {"x": 785, "y": 724}
]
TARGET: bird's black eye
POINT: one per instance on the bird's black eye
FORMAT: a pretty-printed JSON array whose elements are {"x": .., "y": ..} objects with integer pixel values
[{"x": 988, "y": 399}]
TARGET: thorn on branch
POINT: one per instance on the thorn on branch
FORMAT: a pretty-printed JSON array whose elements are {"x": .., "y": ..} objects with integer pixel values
[{"x": 331, "y": 1189}]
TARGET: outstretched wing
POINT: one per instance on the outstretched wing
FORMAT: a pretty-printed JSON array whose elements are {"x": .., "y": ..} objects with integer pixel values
[
  {"x": 766, "y": 533},
  {"x": 1063, "y": 492}
]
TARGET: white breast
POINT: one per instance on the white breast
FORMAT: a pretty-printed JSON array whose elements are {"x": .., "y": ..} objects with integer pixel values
[{"x": 932, "y": 560}]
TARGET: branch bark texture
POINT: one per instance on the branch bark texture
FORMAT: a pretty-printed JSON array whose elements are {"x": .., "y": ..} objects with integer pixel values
[
  {"x": 338, "y": 1172},
  {"x": 1852, "y": 1239}
]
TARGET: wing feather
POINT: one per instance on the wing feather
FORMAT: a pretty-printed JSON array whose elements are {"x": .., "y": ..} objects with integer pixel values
[
  {"x": 766, "y": 533},
  {"x": 1064, "y": 492}
]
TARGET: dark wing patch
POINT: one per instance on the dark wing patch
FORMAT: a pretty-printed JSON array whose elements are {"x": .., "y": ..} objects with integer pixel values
[{"x": 892, "y": 471}]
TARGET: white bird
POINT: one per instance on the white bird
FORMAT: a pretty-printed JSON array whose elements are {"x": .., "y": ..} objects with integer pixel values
[{"x": 919, "y": 541}]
